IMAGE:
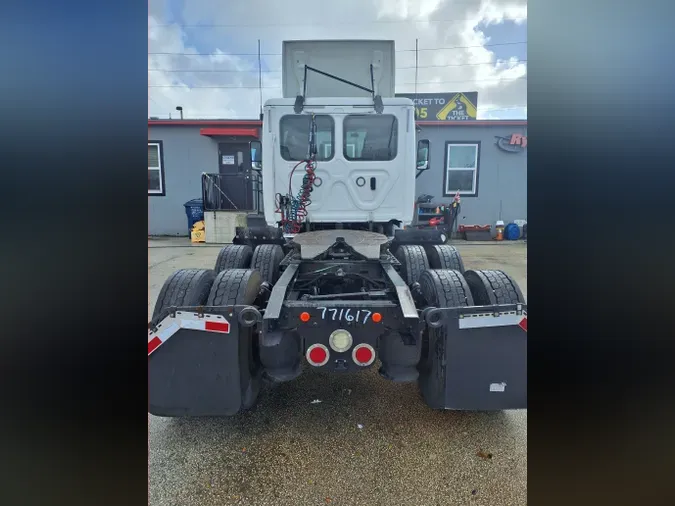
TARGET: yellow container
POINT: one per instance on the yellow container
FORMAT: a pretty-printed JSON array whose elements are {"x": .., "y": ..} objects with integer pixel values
[{"x": 198, "y": 236}]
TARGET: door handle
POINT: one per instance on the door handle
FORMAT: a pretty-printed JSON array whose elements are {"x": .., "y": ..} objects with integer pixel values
[{"x": 372, "y": 183}]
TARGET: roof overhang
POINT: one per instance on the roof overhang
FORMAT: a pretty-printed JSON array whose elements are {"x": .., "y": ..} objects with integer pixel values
[
  {"x": 231, "y": 131},
  {"x": 206, "y": 123}
]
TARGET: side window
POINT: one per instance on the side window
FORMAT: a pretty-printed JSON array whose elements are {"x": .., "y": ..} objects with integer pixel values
[
  {"x": 155, "y": 169},
  {"x": 370, "y": 138},
  {"x": 294, "y": 137},
  {"x": 461, "y": 171}
]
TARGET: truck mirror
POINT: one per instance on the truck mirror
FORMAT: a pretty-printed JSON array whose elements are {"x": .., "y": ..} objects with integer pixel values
[
  {"x": 256, "y": 154},
  {"x": 423, "y": 154}
]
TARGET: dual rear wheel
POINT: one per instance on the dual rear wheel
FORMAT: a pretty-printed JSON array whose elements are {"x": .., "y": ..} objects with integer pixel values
[
  {"x": 265, "y": 258},
  {"x": 236, "y": 280},
  {"x": 415, "y": 259},
  {"x": 451, "y": 288}
]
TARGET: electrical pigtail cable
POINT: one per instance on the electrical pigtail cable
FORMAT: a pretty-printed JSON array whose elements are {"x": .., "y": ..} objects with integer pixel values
[{"x": 293, "y": 209}]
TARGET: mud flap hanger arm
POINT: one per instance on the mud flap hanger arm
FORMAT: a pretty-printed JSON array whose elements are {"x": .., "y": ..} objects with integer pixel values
[{"x": 300, "y": 99}]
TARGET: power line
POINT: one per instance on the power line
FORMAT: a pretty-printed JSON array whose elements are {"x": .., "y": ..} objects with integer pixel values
[
  {"x": 277, "y": 87},
  {"x": 279, "y": 71},
  {"x": 463, "y": 47},
  {"x": 349, "y": 23},
  {"x": 398, "y": 50},
  {"x": 372, "y": 21},
  {"x": 480, "y": 109}
]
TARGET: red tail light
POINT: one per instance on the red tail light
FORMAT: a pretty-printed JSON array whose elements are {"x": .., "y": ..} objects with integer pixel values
[
  {"x": 317, "y": 355},
  {"x": 363, "y": 355}
]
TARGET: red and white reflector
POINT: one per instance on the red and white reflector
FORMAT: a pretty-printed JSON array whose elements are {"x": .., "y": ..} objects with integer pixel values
[
  {"x": 317, "y": 355},
  {"x": 363, "y": 355},
  {"x": 523, "y": 324},
  {"x": 170, "y": 325},
  {"x": 489, "y": 320}
]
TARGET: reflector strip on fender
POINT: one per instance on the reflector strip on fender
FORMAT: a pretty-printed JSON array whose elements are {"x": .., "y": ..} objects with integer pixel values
[
  {"x": 192, "y": 321},
  {"x": 489, "y": 320}
]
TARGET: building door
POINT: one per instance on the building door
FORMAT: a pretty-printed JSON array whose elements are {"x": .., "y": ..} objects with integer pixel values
[{"x": 234, "y": 164}]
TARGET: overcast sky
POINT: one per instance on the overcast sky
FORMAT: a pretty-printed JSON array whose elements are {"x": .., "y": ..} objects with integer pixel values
[{"x": 211, "y": 68}]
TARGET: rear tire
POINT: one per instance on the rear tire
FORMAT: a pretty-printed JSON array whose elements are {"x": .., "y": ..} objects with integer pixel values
[
  {"x": 493, "y": 287},
  {"x": 445, "y": 256},
  {"x": 413, "y": 260},
  {"x": 241, "y": 287},
  {"x": 266, "y": 259},
  {"x": 186, "y": 287},
  {"x": 440, "y": 288},
  {"x": 234, "y": 256}
]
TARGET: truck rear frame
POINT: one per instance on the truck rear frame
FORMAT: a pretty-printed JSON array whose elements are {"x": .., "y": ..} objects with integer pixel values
[{"x": 212, "y": 360}]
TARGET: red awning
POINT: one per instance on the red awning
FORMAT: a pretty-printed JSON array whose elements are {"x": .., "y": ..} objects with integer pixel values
[{"x": 243, "y": 132}]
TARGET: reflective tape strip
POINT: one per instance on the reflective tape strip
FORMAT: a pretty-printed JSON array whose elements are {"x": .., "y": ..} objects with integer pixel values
[
  {"x": 223, "y": 327},
  {"x": 488, "y": 320},
  {"x": 167, "y": 332},
  {"x": 191, "y": 321},
  {"x": 192, "y": 324}
]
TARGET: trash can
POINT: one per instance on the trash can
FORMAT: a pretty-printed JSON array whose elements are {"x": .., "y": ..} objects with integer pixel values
[{"x": 194, "y": 209}]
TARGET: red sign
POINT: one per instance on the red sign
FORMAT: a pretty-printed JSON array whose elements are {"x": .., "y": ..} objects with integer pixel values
[{"x": 513, "y": 144}]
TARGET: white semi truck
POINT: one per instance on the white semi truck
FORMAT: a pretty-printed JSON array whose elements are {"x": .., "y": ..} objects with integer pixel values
[{"x": 335, "y": 281}]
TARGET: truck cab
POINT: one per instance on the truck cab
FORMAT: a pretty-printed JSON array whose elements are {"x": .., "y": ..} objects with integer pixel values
[{"x": 365, "y": 160}]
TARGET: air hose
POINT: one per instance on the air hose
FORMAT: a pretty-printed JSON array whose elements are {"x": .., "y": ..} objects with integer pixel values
[{"x": 293, "y": 209}]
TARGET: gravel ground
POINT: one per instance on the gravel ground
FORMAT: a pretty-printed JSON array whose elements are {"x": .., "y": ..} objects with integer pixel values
[{"x": 368, "y": 442}]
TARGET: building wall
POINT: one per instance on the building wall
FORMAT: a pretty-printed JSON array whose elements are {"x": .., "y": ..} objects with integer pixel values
[
  {"x": 186, "y": 155},
  {"x": 502, "y": 177}
]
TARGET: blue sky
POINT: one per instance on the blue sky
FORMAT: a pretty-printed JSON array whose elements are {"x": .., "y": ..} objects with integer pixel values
[
  {"x": 508, "y": 31},
  {"x": 224, "y": 87},
  {"x": 505, "y": 32}
]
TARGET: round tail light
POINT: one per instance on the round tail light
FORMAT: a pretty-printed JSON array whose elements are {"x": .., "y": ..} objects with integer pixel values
[
  {"x": 363, "y": 355},
  {"x": 317, "y": 355}
]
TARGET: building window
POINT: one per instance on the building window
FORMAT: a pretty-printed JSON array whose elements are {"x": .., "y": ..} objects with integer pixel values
[
  {"x": 294, "y": 135},
  {"x": 461, "y": 163},
  {"x": 155, "y": 168},
  {"x": 370, "y": 138}
]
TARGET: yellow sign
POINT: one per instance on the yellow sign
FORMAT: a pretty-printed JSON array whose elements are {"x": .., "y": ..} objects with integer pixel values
[{"x": 459, "y": 108}]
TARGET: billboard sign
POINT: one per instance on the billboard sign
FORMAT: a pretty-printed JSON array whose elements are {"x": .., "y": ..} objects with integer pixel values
[{"x": 444, "y": 106}]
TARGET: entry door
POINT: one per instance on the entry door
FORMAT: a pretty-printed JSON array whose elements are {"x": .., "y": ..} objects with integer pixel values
[{"x": 234, "y": 164}]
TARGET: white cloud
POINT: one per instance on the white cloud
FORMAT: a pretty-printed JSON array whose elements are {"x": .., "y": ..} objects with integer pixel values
[{"x": 501, "y": 85}]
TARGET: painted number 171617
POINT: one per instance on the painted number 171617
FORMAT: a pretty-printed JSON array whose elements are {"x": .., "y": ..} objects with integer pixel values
[{"x": 342, "y": 314}]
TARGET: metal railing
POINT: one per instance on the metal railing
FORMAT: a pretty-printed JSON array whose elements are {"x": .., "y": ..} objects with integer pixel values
[{"x": 232, "y": 192}]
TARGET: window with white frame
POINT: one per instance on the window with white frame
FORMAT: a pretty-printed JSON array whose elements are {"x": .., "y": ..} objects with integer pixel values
[
  {"x": 461, "y": 168},
  {"x": 155, "y": 169}
]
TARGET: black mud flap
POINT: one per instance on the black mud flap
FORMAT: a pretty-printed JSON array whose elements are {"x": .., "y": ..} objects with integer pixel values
[
  {"x": 419, "y": 237},
  {"x": 479, "y": 358},
  {"x": 193, "y": 371},
  {"x": 254, "y": 235}
]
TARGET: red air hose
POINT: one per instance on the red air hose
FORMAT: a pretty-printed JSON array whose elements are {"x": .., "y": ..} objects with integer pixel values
[{"x": 293, "y": 214}]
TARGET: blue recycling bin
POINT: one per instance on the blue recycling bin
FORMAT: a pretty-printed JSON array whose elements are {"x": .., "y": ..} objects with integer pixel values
[{"x": 194, "y": 209}]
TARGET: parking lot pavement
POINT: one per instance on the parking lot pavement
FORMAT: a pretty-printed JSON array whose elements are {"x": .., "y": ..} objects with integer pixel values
[{"x": 369, "y": 441}]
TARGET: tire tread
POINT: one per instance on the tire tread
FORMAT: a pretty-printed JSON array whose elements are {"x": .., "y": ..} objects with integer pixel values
[
  {"x": 234, "y": 256},
  {"x": 185, "y": 287}
]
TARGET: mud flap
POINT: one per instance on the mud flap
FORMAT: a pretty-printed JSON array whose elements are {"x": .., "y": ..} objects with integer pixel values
[
  {"x": 420, "y": 237},
  {"x": 195, "y": 371},
  {"x": 481, "y": 360}
]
